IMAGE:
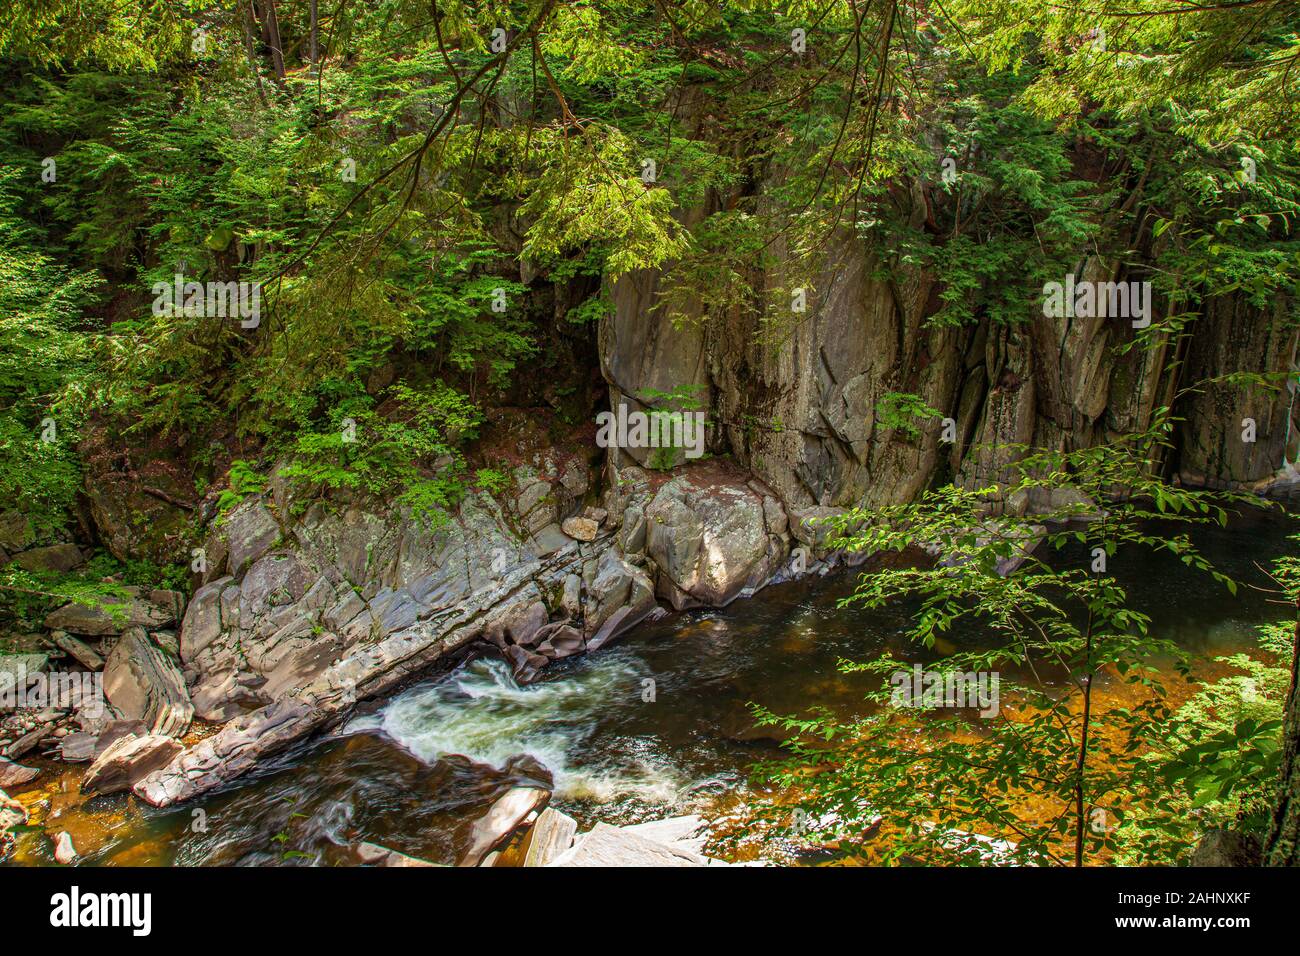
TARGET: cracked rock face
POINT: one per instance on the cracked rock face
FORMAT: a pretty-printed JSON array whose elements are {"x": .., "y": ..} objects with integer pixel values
[
  {"x": 355, "y": 603},
  {"x": 803, "y": 413}
]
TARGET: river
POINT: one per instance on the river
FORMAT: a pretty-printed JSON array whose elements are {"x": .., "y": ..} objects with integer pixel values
[{"x": 653, "y": 726}]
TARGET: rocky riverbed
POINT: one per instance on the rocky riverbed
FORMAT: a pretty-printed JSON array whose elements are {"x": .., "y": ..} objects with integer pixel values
[
  {"x": 414, "y": 773},
  {"x": 304, "y": 609}
]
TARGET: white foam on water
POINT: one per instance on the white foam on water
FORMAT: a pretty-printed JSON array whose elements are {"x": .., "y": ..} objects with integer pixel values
[{"x": 481, "y": 713}]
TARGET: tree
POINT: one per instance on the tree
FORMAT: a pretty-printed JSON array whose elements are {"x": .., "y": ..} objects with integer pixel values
[{"x": 1045, "y": 769}]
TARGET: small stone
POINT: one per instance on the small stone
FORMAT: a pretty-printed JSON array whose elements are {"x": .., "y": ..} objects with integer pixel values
[
  {"x": 84, "y": 654},
  {"x": 580, "y": 529},
  {"x": 64, "y": 852}
]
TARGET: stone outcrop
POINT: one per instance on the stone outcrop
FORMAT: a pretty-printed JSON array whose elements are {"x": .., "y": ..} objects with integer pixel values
[
  {"x": 143, "y": 682},
  {"x": 151, "y": 611}
]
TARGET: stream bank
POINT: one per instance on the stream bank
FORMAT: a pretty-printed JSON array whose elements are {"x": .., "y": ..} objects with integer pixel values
[{"x": 415, "y": 772}]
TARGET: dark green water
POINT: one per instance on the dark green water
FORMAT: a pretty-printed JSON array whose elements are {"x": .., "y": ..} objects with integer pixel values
[{"x": 414, "y": 773}]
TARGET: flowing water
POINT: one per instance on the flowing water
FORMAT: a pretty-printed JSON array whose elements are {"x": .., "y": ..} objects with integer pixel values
[{"x": 654, "y": 726}]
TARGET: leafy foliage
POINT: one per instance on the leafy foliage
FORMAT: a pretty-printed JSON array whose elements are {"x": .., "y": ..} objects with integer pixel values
[{"x": 1050, "y": 772}]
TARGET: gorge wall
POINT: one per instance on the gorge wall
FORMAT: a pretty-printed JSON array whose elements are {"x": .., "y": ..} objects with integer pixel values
[{"x": 1052, "y": 383}]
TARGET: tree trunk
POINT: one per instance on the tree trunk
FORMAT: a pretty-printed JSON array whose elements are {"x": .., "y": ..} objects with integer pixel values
[
  {"x": 246, "y": 23},
  {"x": 315, "y": 33},
  {"x": 271, "y": 32},
  {"x": 1284, "y": 837}
]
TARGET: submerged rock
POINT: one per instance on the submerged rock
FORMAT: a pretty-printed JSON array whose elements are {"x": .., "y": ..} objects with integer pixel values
[
  {"x": 15, "y": 775},
  {"x": 65, "y": 853},
  {"x": 372, "y": 854},
  {"x": 501, "y": 820}
]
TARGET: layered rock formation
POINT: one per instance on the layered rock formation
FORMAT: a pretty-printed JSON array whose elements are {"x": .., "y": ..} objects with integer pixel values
[{"x": 299, "y": 618}]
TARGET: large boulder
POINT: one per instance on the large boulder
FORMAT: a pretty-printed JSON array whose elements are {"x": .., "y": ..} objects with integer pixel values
[
  {"x": 709, "y": 540},
  {"x": 143, "y": 682},
  {"x": 55, "y": 557},
  {"x": 607, "y": 846},
  {"x": 157, "y": 609},
  {"x": 128, "y": 760}
]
